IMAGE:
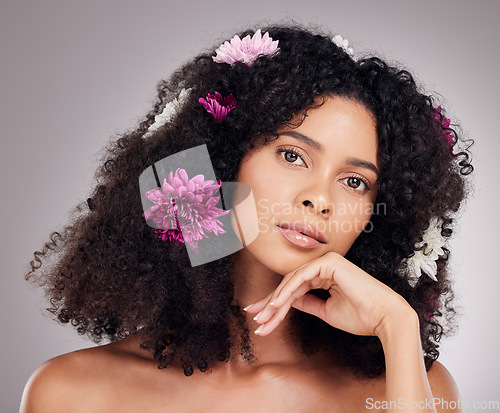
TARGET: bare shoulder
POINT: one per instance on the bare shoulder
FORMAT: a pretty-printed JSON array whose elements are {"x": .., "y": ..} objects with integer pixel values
[
  {"x": 74, "y": 382},
  {"x": 442, "y": 384},
  {"x": 115, "y": 377}
]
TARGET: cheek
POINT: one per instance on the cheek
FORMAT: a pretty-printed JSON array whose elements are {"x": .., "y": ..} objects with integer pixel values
[
  {"x": 272, "y": 201},
  {"x": 347, "y": 224},
  {"x": 259, "y": 215}
]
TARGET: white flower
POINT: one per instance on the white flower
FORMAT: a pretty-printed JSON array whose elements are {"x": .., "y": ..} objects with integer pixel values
[
  {"x": 170, "y": 111},
  {"x": 343, "y": 43},
  {"x": 425, "y": 259}
]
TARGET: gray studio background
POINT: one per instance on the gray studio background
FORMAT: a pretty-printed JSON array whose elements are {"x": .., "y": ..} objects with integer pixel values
[{"x": 73, "y": 73}]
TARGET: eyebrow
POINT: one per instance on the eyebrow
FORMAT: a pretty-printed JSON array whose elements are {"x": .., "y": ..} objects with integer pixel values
[
  {"x": 350, "y": 161},
  {"x": 304, "y": 138},
  {"x": 363, "y": 164}
]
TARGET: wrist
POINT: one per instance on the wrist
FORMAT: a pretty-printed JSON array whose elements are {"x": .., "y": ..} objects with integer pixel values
[{"x": 397, "y": 326}]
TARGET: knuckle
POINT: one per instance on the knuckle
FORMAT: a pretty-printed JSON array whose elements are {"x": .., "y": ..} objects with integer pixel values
[{"x": 332, "y": 255}]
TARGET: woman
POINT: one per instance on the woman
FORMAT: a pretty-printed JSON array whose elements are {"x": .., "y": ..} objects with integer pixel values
[{"x": 355, "y": 174}]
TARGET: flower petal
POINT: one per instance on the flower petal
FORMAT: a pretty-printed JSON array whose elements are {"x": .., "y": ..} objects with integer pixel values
[{"x": 245, "y": 50}]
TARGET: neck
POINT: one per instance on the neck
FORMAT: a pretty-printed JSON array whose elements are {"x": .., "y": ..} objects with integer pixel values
[
  {"x": 253, "y": 282},
  {"x": 276, "y": 353}
]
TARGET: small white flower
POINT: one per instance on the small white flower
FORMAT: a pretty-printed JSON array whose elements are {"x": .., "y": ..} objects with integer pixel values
[
  {"x": 425, "y": 259},
  {"x": 344, "y": 44},
  {"x": 170, "y": 111}
]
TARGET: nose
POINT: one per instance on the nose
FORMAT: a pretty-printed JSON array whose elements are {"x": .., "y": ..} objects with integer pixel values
[
  {"x": 317, "y": 196},
  {"x": 318, "y": 205}
]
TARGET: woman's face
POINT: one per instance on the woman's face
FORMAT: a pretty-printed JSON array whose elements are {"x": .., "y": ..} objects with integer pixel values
[{"x": 322, "y": 174}]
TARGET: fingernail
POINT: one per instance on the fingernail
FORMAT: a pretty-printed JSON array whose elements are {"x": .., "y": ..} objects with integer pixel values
[
  {"x": 257, "y": 316},
  {"x": 272, "y": 303},
  {"x": 259, "y": 329},
  {"x": 247, "y": 307}
]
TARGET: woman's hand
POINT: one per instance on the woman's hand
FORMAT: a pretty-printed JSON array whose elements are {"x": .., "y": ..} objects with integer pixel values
[{"x": 359, "y": 303}]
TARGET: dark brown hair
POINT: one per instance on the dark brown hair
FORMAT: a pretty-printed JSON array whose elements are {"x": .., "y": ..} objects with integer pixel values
[{"x": 108, "y": 276}]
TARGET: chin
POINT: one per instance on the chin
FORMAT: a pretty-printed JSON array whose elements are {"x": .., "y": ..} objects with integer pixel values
[{"x": 280, "y": 256}]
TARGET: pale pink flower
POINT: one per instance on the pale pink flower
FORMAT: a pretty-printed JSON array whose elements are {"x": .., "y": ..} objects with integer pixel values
[
  {"x": 218, "y": 106},
  {"x": 185, "y": 204},
  {"x": 246, "y": 50}
]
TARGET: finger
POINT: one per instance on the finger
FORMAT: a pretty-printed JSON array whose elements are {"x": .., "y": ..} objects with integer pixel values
[
  {"x": 270, "y": 312},
  {"x": 265, "y": 307},
  {"x": 261, "y": 304},
  {"x": 278, "y": 315},
  {"x": 300, "y": 300},
  {"x": 257, "y": 306},
  {"x": 305, "y": 275}
]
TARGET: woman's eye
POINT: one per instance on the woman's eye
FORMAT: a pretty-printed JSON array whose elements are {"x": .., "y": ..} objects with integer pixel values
[
  {"x": 291, "y": 157},
  {"x": 355, "y": 183}
]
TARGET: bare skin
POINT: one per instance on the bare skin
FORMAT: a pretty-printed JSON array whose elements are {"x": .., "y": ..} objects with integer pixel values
[{"x": 122, "y": 377}]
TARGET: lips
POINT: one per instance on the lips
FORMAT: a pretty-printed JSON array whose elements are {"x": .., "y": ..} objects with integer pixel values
[{"x": 305, "y": 229}]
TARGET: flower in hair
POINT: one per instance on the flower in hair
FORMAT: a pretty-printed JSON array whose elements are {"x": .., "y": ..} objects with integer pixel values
[
  {"x": 445, "y": 125},
  {"x": 246, "y": 50},
  {"x": 169, "y": 111},
  {"x": 185, "y": 204},
  {"x": 343, "y": 43},
  {"x": 429, "y": 250},
  {"x": 218, "y": 106}
]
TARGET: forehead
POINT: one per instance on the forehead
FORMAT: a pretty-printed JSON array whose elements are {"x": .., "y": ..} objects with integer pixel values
[{"x": 339, "y": 125}]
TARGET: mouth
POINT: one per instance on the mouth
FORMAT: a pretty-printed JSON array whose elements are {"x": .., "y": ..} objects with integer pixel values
[{"x": 302, "y": 235}]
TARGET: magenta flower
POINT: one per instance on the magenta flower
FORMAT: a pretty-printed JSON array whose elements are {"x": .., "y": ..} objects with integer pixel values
[
  {"x": 218, "y": 106},
  {"x": 246, "y": 50},
  {"x": 445, "y": 123},
  {"x": 187, "y": 204}
]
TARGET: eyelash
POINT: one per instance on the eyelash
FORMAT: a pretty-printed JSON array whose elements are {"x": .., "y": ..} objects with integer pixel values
[
  {"x": 291, "y": 150},
  {"x": 296, "y": 152}
]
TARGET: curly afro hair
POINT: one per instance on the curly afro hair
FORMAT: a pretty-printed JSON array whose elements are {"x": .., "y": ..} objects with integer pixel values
[{"x": 107, "y": 275}]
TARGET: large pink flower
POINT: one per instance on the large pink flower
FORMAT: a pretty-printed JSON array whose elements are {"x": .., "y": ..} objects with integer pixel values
[
  {"x": 187, "y": 204},
  {"x": 218, "y": 106},
  {"x": 246, "y": 50}
]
